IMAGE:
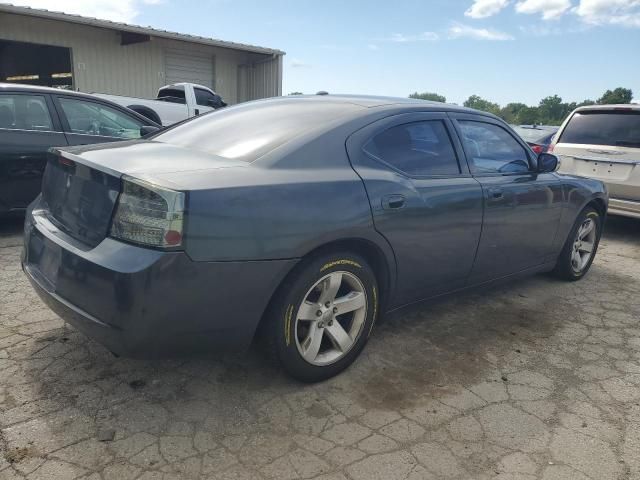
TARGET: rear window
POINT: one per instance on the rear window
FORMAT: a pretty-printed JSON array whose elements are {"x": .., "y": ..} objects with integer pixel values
[
  {"x": 612, "y": 128},
  {"x": 173, "y": 95},
  {"x": 534, "y": 135},
  {"x": 247, "y": 132}
]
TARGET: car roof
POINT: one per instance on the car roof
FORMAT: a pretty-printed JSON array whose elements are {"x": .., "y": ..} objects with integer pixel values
[
  {"x": 373, "y": 101},
  {"x": 182, "y": 86},
  {"x": 616, "y": 106},
  {"x": 19, "y": 87}
]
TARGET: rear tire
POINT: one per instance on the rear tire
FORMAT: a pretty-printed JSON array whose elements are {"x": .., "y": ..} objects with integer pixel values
[
  {"x": 580, "y": 247},
  {"x": 322, "y": 316}
]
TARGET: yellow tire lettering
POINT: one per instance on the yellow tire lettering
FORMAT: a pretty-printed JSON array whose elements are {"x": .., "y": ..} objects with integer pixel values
[
  {"x": 375, "y": 310},
  {"x": 343, "y": 261},
  {"x": 287, "y": 325}
]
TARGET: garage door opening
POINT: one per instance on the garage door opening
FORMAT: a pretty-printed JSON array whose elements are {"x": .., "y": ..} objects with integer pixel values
[{"x": 35, "y": 64}]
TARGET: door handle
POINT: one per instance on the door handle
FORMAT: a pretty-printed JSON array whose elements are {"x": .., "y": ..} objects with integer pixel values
[
  {"x": 393, "y": 202},
  {"x": 495, "y": 194}
]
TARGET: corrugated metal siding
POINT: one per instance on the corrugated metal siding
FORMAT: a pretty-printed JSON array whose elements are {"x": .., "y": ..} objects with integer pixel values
[
  {"x": 260, "y": 79},
  {"x": 101, "y": 64},
  {"x": 188, "y": 66},
  {"x": 226, "y": 82}
]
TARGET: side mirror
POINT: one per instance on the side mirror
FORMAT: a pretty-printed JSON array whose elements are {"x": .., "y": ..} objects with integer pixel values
[
  {"x": 216, "y": 102},
  {"x": 547, "y": 162},
  {"x": 148, "y": 130}
]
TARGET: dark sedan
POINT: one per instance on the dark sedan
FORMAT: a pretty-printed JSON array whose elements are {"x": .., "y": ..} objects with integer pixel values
[
  {"x": 33, "y": 119},
  {"x": 538, "y": 137},
  {"x": 303, "y": 219}
]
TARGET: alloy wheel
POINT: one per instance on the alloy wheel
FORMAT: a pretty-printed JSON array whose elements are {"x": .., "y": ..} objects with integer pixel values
[
  {"x": 583, "y": 245},
  {"x": 331, "y": 318}
]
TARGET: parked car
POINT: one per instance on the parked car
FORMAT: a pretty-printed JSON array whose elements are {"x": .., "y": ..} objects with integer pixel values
[
  {"x": 32, "y": 119},
  {"x": 268, "y": 220},
  {"x": 538, "y": 137},
  {"x": 174, "y": 103},
  {"x": 603, "y": 142}
]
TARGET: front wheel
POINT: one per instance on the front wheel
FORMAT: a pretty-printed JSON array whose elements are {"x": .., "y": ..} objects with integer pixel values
[
  {"x": 322, "y": 316},
  {"x": 581, "y": 246}
]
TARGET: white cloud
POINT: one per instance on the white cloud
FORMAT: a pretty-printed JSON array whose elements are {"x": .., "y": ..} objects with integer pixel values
[
  {"x": 115, "y": 10},
  {"x": 420, "y": 37},
  {"x": 458, "y": 30},
  {"x": 550, "y": 9},
  {"x": 485, "y": 8},
  {"x": 549, "y": 29},
  {"x": 612, "y": 12},
  {"x": 295, "y": 63},
  {"x": 373, "y": 46}
]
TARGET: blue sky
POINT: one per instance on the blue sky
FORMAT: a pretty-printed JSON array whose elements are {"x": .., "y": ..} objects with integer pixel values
[{"x": 503, "y": 50}]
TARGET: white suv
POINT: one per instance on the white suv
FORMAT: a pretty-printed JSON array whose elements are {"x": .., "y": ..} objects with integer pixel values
[{"x": 603, "y": 142}]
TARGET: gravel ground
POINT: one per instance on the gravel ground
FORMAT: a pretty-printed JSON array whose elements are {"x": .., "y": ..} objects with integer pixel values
[{"x": 539, "y": 379}]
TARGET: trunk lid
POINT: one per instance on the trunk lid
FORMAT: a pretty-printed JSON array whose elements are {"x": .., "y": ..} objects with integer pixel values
[
  {"x": 81, "y": 185},
  {"x": 79, "y": 199}
]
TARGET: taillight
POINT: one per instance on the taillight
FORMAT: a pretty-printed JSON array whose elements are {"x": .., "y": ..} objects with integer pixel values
[
  {"x": 148, "y": 214},
  {"x": 550, "y": 148},
  {"x": 67, "y": 162},
  {"x": 537, "y": 148}
]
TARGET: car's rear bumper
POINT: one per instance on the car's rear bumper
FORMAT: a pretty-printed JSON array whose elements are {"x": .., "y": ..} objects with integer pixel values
[
  {"x": 624, "y": 208},
  {"x": 143, "y": 302}
]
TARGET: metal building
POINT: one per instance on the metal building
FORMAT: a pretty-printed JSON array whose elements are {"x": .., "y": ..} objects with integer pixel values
[{"x": 42, "y": 47}]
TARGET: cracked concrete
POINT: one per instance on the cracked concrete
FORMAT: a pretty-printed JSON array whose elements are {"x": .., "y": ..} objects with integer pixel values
[{"x": 538, "y": 379}]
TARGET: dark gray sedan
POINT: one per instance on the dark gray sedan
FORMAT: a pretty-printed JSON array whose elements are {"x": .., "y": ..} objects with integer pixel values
[{"x": 303, "y": 219}]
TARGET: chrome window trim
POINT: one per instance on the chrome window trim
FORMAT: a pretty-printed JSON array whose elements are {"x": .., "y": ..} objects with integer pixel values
[
  {"x": 101, "y": 136},
  {"x": 28, "y": 130}
]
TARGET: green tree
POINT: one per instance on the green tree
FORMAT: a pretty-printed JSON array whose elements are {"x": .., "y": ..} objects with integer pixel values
[
  {"x": 585, "y": 103},
  {"x": 509, "y": 113},
  {"x": 619, "y": 95},
  {"x": 479, "y": 103},
  {"x": 434, "y": 97},
  {"x": 528, "y": 116},
  {"x": 552, "y": 110}
]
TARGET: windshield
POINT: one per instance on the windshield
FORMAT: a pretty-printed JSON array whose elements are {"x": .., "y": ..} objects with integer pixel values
[
  {"x": 612, "y": 128},
  {"x": 247, "y": 132}
]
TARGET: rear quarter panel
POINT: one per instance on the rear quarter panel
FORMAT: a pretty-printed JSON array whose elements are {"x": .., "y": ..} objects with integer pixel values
[
  {"x": 578, "y": 193},
  {"x": 276, "y": 210}
]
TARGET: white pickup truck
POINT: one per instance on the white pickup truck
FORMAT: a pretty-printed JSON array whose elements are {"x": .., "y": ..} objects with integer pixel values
[{"x": 174, "y": 102}]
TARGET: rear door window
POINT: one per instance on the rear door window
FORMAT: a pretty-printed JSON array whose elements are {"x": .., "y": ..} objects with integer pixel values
[
  {"x": 491, "y": 149},
  {"x": 611, "y": 128},
  {"x": 24, "y": 112},
  {"x": 92, "y": 118},
  {"x": 417, "y": 149}
]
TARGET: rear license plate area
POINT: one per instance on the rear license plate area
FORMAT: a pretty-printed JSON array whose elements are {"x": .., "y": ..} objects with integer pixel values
[{"x": 603, "y": 169}]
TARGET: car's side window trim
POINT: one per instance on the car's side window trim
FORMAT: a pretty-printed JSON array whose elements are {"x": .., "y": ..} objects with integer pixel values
[
  {"x": 426, "y": 117},
  {"x": 456, "y": 117},
  {"x": 53, "y": 113}
]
